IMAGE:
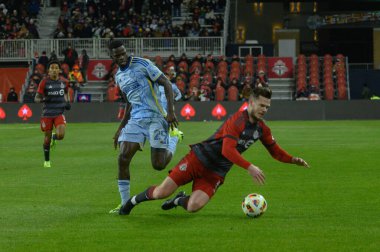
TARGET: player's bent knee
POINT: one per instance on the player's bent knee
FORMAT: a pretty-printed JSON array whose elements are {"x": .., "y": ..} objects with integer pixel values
[
  {"x": 60, "y": 136},
  {"x": 158, "y": 167},
  {"x": 193, "y": 207}
]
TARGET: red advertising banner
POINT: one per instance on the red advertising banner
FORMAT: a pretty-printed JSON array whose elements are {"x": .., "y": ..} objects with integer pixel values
[
  {"x": 280, "y": 67},
  {"x": 98, "y": 69}
]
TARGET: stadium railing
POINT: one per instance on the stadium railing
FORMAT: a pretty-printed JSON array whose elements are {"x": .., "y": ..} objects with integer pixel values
[{"x": 97, "y": 48}]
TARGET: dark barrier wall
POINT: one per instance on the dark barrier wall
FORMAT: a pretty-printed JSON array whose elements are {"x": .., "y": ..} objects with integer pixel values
[
  {"x": 199, "y": 111},
  {"x": 360, "y": 76}
]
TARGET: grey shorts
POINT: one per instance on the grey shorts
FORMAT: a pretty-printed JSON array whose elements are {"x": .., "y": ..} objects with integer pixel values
[{"x": 156, "y": 130}]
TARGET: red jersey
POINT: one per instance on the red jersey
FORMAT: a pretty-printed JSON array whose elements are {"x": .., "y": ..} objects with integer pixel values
[
  {"x": 223, "y": 149},
  {"x": 53, "y": 91}
]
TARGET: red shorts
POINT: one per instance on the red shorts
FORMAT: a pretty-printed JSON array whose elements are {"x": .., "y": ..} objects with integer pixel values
[
  {"x": 47, "y": 122},
  {"x": 191, "y": 169}
]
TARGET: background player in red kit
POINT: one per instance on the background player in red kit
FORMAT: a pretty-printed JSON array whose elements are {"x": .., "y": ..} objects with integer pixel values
[
  {"x": 208, "y": 162},
  {"x": 52, "y": 91}
]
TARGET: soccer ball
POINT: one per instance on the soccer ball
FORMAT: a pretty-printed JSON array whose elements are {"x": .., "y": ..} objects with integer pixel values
[{"x": 254, "y": 205}]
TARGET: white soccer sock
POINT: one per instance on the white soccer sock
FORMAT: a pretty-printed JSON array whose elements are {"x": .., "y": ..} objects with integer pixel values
[{"x": 124, "y": 190}]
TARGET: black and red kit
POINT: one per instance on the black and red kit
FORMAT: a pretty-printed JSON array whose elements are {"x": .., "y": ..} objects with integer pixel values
[{"x": 223, "y": 149}]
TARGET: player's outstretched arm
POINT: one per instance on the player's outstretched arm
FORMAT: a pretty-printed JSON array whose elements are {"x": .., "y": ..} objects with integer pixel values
[
  {"x": 299, "y": 161},
  {"x": 171, "y": 117}
]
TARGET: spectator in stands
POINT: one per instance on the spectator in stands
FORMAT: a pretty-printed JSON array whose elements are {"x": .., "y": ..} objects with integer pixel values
[
  {"x": 176, "y": 7},
  {"x": 30, "y": 93},
  {"x": 366, "y": 92},
  {"x": 193, "y": 94},
  {"x": 205, "y": 93},
  {"x": 43, "y": 59},
  {"x": 246, "y": 91},
  {"x": 36, "y": 77},
  {"x": 302, "y": 94},
  {"x": 71, "y": 56},
  {"x": 314, "y": 93},
  {"x": 76, "y": 76},
  {"x": 12, "y": 95},
  {"x": 84, "y": 60},
  {"x": 261, "y": 79},
  {"x": 53, "y": 56},
  {"x": 171, "y": 74}
]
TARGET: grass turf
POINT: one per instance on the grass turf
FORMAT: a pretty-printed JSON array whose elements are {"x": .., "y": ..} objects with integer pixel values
[{"x": 333, "y": 206}]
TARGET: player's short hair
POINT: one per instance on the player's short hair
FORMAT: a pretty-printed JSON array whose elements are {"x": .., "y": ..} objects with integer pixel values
[
  {"x": 261, "y": 91},
  {"x": 115, "y": 44},
  {"x": 53, "y": 62}
]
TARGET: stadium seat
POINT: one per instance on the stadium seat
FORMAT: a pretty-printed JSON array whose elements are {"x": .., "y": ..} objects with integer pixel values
[
  {"x": 342, "y": 92},
  {"x": 329, "y": 92},
  {"x": 220, "y": 93},
  {"x": 233, "y": 93}
]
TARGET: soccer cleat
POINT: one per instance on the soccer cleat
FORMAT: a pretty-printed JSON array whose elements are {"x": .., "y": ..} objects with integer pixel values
[
  {"x": 126, "y": 208},
  {"x": 115, "y": 210},
  {"x": 169, "y": 204},
  {"x": 176, "y": 132},
  {"x": 52, "y": 141},
  {"x": 47, "y": 164}
]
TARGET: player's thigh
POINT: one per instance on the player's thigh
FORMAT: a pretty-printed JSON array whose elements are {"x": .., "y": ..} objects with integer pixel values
[
  {"x": 128, "y": 149},
  {"x": 60, "y": 125},
  {"x": 184, "y": 171},
  {"x": 159, "y": 133},
  {"x": 46, "y": 124},
  {"x": 134, "y": 132},
  {"x": 208, "y": 182}
]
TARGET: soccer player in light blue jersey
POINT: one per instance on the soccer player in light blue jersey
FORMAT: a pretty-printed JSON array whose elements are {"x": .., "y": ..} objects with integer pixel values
[{"x": 145, "y": 117}]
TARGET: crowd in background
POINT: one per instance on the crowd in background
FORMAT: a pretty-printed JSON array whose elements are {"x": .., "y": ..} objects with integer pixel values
[
  {"x": 18, "y": 19},
  {"x": 145, "y": 18},
  {"x": 206, "y": 78}
]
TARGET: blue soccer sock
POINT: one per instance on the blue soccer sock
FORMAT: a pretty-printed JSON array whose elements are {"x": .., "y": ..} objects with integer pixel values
[
  {"x": 173, "y": 140},
  {"x": 124, "y": 190}
]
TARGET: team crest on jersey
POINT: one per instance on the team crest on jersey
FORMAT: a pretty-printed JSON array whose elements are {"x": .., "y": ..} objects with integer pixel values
[
  {"x": 62, "y": 85},
  {"x": 183, "y": 167}
]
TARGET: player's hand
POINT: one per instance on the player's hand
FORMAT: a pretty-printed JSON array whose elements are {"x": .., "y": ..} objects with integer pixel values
[
  {"x": 300, "y": 162},
  {"x": 68, "y": 106},
  {"x": 257, "y": 174},
  {"x": 172, "y": 120},
  {"x": 115, "y": 139}
]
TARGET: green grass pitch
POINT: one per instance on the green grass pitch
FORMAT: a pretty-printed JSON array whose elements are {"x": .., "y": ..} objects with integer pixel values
[{"x": 333, "y": 206}]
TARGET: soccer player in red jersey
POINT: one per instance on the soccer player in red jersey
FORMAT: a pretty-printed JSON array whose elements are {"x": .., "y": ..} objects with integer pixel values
[
  {"x": 52, "y": 91},
  {"x": 209, "y": 161}
]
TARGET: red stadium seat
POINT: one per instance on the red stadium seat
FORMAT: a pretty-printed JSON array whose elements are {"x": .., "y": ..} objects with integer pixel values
[
  {"x": 342, "y": 92},
  {"x": 329, "y": 92},
  {"x": 220, "y": 93},
  {"x": 233, "y": 93}
]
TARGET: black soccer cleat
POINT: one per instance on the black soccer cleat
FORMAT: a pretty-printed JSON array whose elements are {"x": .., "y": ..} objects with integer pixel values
[
  {"x": 126, "y": 208},
  {"x": 169, "y": 204}
]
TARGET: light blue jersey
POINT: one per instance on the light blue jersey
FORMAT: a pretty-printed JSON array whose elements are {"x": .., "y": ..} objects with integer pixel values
[
  {"x": 137, "y": 81},
  {"x": 176, "y": 93}
]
